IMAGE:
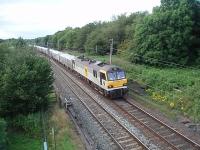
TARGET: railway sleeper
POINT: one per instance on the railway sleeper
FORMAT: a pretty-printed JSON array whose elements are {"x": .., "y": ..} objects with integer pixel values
[
  {"x": 132, "y": 111},
  {"x": 133, "y": 144},
  {"x": 163, "y": 132},
  {"x": 169, "y": 135},
  {"x": 122, "y": 137},
  {"x": 161, "y": 127},
  {"x": 176, "y": 141},
  {"x": 126, "y": 141},
  {"x": 122, "y": 134},
  {"x": 153, "y": 125},
  {"x": 182, "y": 146},
  {"x": 143, "y": 119},
  {"x": 138, "y": 114},
  {"x": 146, "y": 122},
  {"x": 136, "y": 148}
]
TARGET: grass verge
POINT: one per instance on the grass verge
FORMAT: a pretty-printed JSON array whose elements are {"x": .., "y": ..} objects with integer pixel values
[
  {"x": 20, "y": 141},
  {"x": 66, "y": 137},
  {"x": 65, "y": 134}
]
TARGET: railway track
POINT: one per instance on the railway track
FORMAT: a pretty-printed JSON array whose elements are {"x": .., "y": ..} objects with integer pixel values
[
  {"x": 170, "y": 136},
  {"x": 119, "y": 134}
]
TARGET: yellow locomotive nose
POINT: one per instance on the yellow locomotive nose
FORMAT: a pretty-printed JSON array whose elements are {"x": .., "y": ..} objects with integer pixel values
[{"x": 116, "y": 83}]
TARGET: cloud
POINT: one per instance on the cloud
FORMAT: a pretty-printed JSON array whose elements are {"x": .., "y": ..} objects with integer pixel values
[
  {"x": 5, "y": 34},
  {"x": 27, "y": 17}
]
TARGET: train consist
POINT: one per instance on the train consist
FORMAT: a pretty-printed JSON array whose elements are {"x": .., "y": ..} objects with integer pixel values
[{"x": 108, "y": 79}]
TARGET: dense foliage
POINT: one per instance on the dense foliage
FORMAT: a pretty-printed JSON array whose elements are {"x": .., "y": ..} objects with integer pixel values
[
  {"x": 3, "y": 53},
  {"x": 30, "y": 124},
  {"x": 25, "y": 80},
  {"x": 3, "y": 135},
  {"x": 95, "y": 37},
  {"x": 25, "y": 84},
  {"x": 19, "y": 43},
  {"x": 171, "y": 33}
]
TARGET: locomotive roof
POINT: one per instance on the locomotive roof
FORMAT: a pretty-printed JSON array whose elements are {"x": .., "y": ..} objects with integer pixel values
[{"x": 97, "y": 65}]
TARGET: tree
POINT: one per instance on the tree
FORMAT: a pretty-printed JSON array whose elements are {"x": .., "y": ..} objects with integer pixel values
[
  {"x": 128, "y": 41},
  {"x": 97, "y": 38},
  {"x": 196, "y": 32},
  {"x": 20, "y": 43},
  {"x": 168, "y": 34},
  {"x": 3, "y": 52},
  {"x": 3, "y": 134},
  {"x": 82, "y": 35},
  {"x": 1, "y": 40},
  {"x": 25, "y": 84}
]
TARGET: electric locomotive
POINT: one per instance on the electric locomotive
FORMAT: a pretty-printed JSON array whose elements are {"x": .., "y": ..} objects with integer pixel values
[{"x": 109, "y": 79}]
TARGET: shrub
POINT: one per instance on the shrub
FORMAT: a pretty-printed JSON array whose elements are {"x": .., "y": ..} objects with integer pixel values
[{"x": 30, "y": 124}]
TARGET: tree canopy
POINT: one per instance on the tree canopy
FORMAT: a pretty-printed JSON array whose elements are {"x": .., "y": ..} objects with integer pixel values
[
  {"x": 25, "y": 82},
  {"x": 3, "y": 134},
  {"x": 96, "y": 34},
  {"x": 170, "y": 33}
]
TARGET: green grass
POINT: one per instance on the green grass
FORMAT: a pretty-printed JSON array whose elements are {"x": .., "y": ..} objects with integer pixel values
[
  {"x": 52, "y": 97},
  {"x": 19, "y": 141},
  {"x": 65, "y": 142},
  {"x": 65, "y": 134},
  {"x": 146, "y": 102},
  {"x": 173, "y": 89}
]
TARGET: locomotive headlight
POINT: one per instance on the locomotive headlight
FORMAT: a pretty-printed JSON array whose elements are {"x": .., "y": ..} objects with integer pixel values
[
  {"x": 110, "y": 86},
  {"x": 125, "y": 84}
]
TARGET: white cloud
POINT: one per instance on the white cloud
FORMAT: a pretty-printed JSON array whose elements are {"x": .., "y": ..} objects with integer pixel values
[
  {"x": 5, "y": 34},
  {"x": 49, "y": 16}
]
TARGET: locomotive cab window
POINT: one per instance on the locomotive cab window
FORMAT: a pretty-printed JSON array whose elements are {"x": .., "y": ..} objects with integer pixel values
[
  {"x": 102, "y": 76},
  {"x": 121, "y": 75},
  {"x": 116, "y": 75},
  {"x": 95, "y": 73}
]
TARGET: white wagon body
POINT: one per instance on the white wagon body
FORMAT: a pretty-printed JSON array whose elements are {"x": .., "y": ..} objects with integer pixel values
[
  {"x": 67, "y": 60},
  {"x": 55, "y": 54}
]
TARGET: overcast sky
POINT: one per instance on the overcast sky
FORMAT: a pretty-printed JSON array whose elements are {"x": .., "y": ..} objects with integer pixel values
[{"x": 36, "y": 18}]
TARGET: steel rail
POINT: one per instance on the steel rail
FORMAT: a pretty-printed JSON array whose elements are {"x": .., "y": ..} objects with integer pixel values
[
  {"x": 127, "y": 130},
  {"x": 195, "y": 145},
  {"x": 150, "y": 129},
  {"x": 118, "y": 144}
]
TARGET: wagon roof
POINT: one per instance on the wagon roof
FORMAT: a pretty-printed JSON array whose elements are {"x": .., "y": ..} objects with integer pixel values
[
  {"x": 68, "y": 56},
  {"x": 97, "y": 65},
  {"x": 55, "y": 51}
]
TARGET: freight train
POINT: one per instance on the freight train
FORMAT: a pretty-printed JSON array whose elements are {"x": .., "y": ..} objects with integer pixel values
[{"x": 108, "y": 79}]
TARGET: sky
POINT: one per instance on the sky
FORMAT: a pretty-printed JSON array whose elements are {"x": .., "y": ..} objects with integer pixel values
[{"x": 36, "y": 18}]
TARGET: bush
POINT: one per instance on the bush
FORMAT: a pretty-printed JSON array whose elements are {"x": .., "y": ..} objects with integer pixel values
[{"x": 30, "y": 124}]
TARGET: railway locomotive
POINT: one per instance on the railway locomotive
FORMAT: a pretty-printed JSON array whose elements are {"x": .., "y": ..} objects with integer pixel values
[{"x": 110, "y": 80}]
